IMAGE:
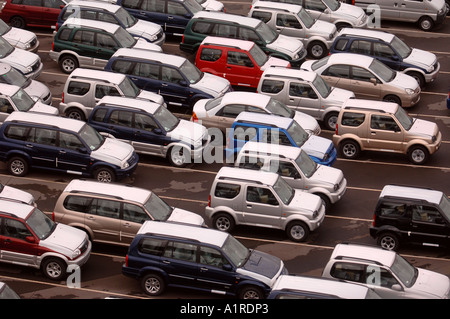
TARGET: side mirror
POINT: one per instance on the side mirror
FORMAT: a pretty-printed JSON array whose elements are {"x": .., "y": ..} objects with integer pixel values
[
  {"x": 395, "y": 58},
  {"x": 397, "y": 287},
  {"x": 227, "y": 267},
  {"x": 30, "y": 239},
  {"x": 157, "y": 131},
  {"x": 82, "y": 150},
  {"x": 183, "y": 83},
  {"x": 373, "y": 80}
]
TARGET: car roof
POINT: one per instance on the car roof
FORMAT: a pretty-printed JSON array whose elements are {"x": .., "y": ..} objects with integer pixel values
[
  {"x": 289, "y": 7},
  {"x": 414, "y": 193},
  {"x": 201, "y": 234},
  {"x": 151, "y": 55},
  {"x": 371, "y": 254},
  {"x": 92, "y": 74},
  {"x": 350, "y": 58},
  {"x": 369, "y": 105},
  {"x": 292, "y": 73},
  {"x": 8, "y": 89},
  {"x": 247, "y": 98},
  {"x": 274, "y": 149},
  {"x": 236, "y": 173},
  {"x": 77, "y": 22},
  {"x": 382, "y": 35},
  {"x": 222, "y": 16},
  {"x": 94, "y": 4},
  {"x": 18, "y": 209},
  {"x": 264, "y": 119},
  {"x": 241, "y": 44},
  {"x": 127, "y": 102},
  {"x": 120, "y": 191},
  {"x": 44, "y": 119}
]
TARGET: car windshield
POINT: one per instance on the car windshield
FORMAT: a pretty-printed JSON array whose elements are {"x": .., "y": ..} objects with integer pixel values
[
  {"x": 124, "y": 38},
  {"x": 266, "y": 33},
  {"x": 306, "y": 164},
  {"x": 383, "y": 71},
  {"x": 22, "y": 100},
  {"x": 91, "y": 137},
  {"x": 297, "y": 133},
  {"x": 445, "y": 206},
  {"x": 258, "y": 55},
  {"x": 321, "y": 86},
  {"x": 15, "y": 77},
  {"x": 191, "y": 72},
  {"x": 405, "y": 120},
  {"x": 319, "y": 63},
  {"x": 278, "y": 108},
  {"x": 213, "y": 103},
  {"x": 235, "y": 251},
  {"x": 404, "y": 271},
  {"x": 5, "y": 48},
  {"x": 306, "y": 18},
  {"x": 166, "y": 119},
  {"x": 125, "y": 18},
  {"x": 193, "y": 6},
  {"x": 283, "y": 190},
  {"x": 40, "y": 224},
  {"x": 128, "y": 88},
  {"x": 332, "y": 4},
  {"x": 401, "y": 47},
  {"x": 4, "y": 28},
  {"x": 158, "y": 208}
]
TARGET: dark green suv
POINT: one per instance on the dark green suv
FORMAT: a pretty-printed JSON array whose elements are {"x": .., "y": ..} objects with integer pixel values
[{"x": 90, "y": 44}]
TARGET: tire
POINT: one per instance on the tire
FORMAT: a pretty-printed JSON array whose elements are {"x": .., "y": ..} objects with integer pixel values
[
  {"x": 153, "y": 285},
  {"x": 426, "y": 23},
  {"x": 350, "y": 149},
  {"x": 68, "y": 63},
  {"x": 392, "y": 99},
  {"x": 418, "y": 77},
  {"x": 326, "y": 201},
  {"x": 388, "y": 241},
  {"x": 251, "y": 292},
  {"x": 18, "y": 22},
  {"x": 317, "y": 50},
  {"x": 105, "y": 175},
  {"x": 54, "y": 268},
  {"x": 330, "y": 120},
  {"x": 76, "y": 114},
  {"x": 297, "y": 231},
  {"x": 178, "y": 157},
  {"x": 18, "y": 166},
  {"x": 223, "y": 222},
  {"x": 418, "y": 154}
]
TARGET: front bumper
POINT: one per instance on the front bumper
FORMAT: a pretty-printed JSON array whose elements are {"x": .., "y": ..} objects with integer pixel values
[{"x": 430, "y": 77}]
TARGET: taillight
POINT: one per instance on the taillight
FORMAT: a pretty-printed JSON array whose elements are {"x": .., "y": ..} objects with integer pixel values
[
  {"x": 373, "y": 222},
  {"x": 56, "y": 27},
  {"x": 182, "y": 39},
  {"x": 126, "y": 260},
  {"x": 53, "y": 216},
  {"x": 336, "y": 132},
  {"x": 209, "y": 201},
  {"x": 194, "y": 117},
  {"x": 62, "y": 99}
]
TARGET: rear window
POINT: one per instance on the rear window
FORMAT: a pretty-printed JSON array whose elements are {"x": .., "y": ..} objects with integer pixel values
[
  {"x": 201, "y": 27},
  {"x": 211, "y": 55},
  {"x": 77, "y": 203},
  {"x": 272, "y": 86},
  {"x": 78, "y": 88},
  {"x": 17, "y": 132},
  {"x": 226, "y": 190},
  {"x": 64, "y": 34},
  {"x": 152, "y": 246},
  {"x": 352, "y": 119}
]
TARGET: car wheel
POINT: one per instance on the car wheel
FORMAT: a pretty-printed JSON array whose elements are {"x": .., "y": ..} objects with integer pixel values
[
  {"x": 388, "y": 241},
  {"x": 330, "y": 120},
  {"x": 418, "y": 77},
  {"x": 17, "y": 22},
  {"x": 426, "y": 23},
  {"x": 317, "y": 50},
  {"x": 297, "y": 231},
  {"x": 153, "y": 285},
  {"x": 54, "y": 268},
  {"x": 418, "y": 154},
  {"x": 75, "y": 114},
  {"x": 392, "y": 99},
  {"x": 251, "y": 292},
  {"x": 104, "y": 175},
  {"x": 178, "y": 156},
  {"x": 350, "y": 149},
  {"x": 18, "y": 166},
  {"x": 223, "y": 222},
  {"x": 68, "y": 63},
  {"x": 326, "y": 201}
]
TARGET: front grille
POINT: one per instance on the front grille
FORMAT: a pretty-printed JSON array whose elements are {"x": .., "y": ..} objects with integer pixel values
[
  {"x": 160, "y": 34},
  {"x": 133, "y": 159},
  {"x": 84, "y": 246},
  {"x": 33, "y": 42},
  {"x": 36, "y": 65}
]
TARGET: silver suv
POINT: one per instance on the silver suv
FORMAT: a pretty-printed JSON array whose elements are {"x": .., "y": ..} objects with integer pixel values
[
  {"x": 84, "y": 88},
  {"x": 294, "y": 21},
  {"x": 248, "y": 197},
  {"x": 305, "y": 91}
]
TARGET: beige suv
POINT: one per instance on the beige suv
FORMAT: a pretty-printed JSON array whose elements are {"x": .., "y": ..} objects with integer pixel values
[
  {"x": 112, "y": 213},
  {"x": 384, "y": 126}
]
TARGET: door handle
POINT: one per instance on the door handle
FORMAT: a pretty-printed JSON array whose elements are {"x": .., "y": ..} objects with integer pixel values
[
  {"x": 62, "y": 152},
  {"x": 373, "y": 133},
  {"x": 166, "y": 262},
  {"x": 29, "y": 145},
  {"x": 91, "y": 217},
  {"x": 128, "y": 225},
  {"x": 203, "y": 269},
  {"x": 164, "y": 84},
  {"x": 249, "y": 206}
]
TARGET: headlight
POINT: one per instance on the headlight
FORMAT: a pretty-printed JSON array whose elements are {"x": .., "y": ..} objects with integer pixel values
[
  {"x": 76, "y": 253},
  {"x": 29, "y": 69},
  {"x": 330, "y": 36},
  {"x": 336, "y": 187},
  {"x": 430, "y": 69},
  {"x": 409, "y": 91},
  {"x": 315, "y": 214},
  {"x": 441, "y": 11},
  {"x": 27, "y": 46},
  {"x": 125, "y": 165},
  {"x": 296, "y": 56}
]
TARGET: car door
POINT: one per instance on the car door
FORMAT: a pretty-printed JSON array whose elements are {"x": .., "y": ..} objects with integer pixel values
[
  {"x": 385, "y": 134},
  {"x": 84, "y": 45},
  {"x": 429, "y": 226},
  {"x": 241, "y": 70},
  {"x": 146, "y": 76},
  {"x": 412, "y": 10},
  {"x": 174, "y": 88},
  {"x": 103, "y": 218},
  {"x": 288, "y": 172},
  {"x": 261, "y": 207},
  {"x": 338, "y": 75},
  {"x": 384, "y": 53},
  {"x": 133, "y": 216},
  {"x": 50, "y": 11},
  {"x": 225, "y": 117},
  {"x": 289, "y": 25},
  {"x": 120, "y": 125},
  {"x": 178, "y": 17},
  {"x": 73, "y": 155},
  {"x": 304, "y": 98},
  {"x": 365, "y": 84},
  {"x": 41, "y": 147},
  {"x": 32, "y": 11},
  {"x": 179, "y": 261},
  {"x": 148, "y": 137},
  {"x": 105, "y": 46},
  {"x": 389, "y": 9},
  {"x": 316, "y": 8}
]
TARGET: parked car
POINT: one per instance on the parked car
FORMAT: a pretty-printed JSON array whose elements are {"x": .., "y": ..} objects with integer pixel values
[
  {"x": 294, "y": 21},
  {"x": 14, "y": 98},
  {"x": 338, "y": 12},
  {"x": 101, "y": 209},
  {"x": 241, "y": 196},
  {"x": 25, "y": 13},
  {"x": 90, "y": 43},
  {"x": 296, "y": 168},
  {"x": 6, "y": 292},
  {"x": 28, "y": 63},
  {"x": 427, "y": 14},
  {"x": 163, "y": 255},
  {"x": 112, "y": 13},
  {"x": 34, "y": 240},
  {"x": 151, "y": 129},
  {"x": 221, "y": 112},
  {"x": 240, "y": 62},
  {"x": 277, "y": 130},
  {"x": 19, "y": 38},
  {"x": 171, "y": 15},
  {"x": 84, "y": 88},
  {"x": 305, "y": 91},
  {"x": 387, "y": 273},
  {"x": 384, "y": 127},
  {"x": 367, "y": 77},
  {"x": 306, "y": 287},
  {"x": 174, "y": 77},
  {"x": 406, "y": 214},
  {"x": 219, "y": 24},
  {"x": 389, "y": 49},
  {"x": 9, "y": 192},
  {"x": 31, "y": 140},
  {"x": 10, "y": 75}
]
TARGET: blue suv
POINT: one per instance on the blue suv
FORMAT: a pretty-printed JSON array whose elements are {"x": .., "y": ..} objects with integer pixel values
[
  {"x": 277, "y": 130},
  {"x": 181, "y": 255}
]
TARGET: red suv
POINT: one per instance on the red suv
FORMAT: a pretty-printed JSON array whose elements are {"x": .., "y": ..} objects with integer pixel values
[
  {"x": 32, "y": 13},
  {"x": 240, "y": 62}
]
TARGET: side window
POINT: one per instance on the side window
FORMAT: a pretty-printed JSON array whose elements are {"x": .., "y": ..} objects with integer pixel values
[
  {"x": 134, "y": 213},
  {"x": 106, "y": 41},
  {"x": 302, "y": 90},
  {"x": 338, "y": 70},
  {"x": 77, "y": 203},
  {"x": 387, "y": 209},
  {"x": 107, "y": 17},
  {"x": 225, "y": 190},
  {"x": 352, "y": 119},
  {"x": 88, "y": 14},
  {"x": 17, "y": 132},
  {"x": 132, "y": 4},
  {"x": 288, "y": 21},
  {"x": 212, "y": 257},
  {"x": 36, "y": 3},
  {"x": 348, "y": 271},
  {"x": 426, "y": 214},
  {"x": 152, "y": 246},
  {"x": 244, "y": 133},
  {"x": 122, "y": 66},
  {"x": 144, "y": 122},
  {"x": 78, "y": 88},
  {"x": 55, "y": 4},
  {"x": 225, "y": 30},
  {"x": 210, "y": 55},
  {"x": 248, "y": 35},
  {"x": 251, "y": 162},
  {"x": 5, "y": 106},
  {"x": 360, "y": 47},
  {"x": 285, "y": 169},
  {"x": 84, "y": 37},
  {"x": 272, "y": 86},
  {"x": 181, "y": 251},
  {"x": 262, "y": 15},
  {"x": 99, "y": 115},
  {"x": 315, "y": 5},
  {"x": 201, "y": 27},
  {"x": 44, "y": 136},
  {"x": 153, "y": 5},
  {"x": 231, "y": 110},
  {"x": 102, "y": 90},
  {"x": 171, "y": 75},
  {"x": 123, "y": 118},
  {"x": 146, "y": 70},
  {"x": 64, "y": 35},
  {"x": 360, "y": 74},
  {"x": 379, "y": 277},
  {"x": 70, "y": 141},
  {"x": 176, "y": 8},
  {"x": 15, "y": 229},
  {"x": 261, "y": 195},
  {"x": 275, "y": 136},
  {"x": 382, "y": 50},
  {"x": 238, "y": 58},
  {"x": 105, "y": 208},
  {"x": 341, "y": 44},
  {"x": 381, "y": 122}
]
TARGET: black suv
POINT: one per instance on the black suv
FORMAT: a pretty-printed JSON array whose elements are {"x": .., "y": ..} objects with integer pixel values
[{"x": 410, "y": 214}]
